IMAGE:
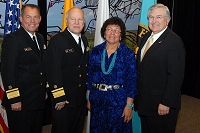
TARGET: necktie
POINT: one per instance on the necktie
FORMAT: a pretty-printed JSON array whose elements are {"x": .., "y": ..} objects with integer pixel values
[
  {"x": 149, "y": 43},
  {"x": 79, "y": 41},
  {"x": 36, "y": 42}
]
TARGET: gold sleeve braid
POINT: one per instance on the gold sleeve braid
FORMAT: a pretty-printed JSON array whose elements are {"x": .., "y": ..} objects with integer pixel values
[
  {"x": 58, "y": 92},
  {"x": 12, "y": 93}
]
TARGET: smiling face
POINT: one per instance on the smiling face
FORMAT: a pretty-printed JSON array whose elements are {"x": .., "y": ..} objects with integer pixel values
[
  {"x": 157, "y": 20},
  {"x": 113, "y": 34},
  {"x": 75, "y": 20},
  {"x": 30, "y": 19}
]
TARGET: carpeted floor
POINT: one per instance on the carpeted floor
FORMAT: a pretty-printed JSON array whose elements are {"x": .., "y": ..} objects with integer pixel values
[
  {"x": 188, "y": 120},
  {"x": 189, "y": 116}
]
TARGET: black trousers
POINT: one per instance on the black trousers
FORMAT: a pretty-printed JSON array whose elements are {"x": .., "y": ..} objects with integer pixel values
[
  {"x": 69, "y": 119},
  {"x": 25, "y": 121},
  {"x": 159, "y": 124}
]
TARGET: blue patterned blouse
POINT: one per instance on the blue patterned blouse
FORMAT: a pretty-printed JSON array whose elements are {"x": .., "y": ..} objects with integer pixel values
[{"x": 123, "y": 73}]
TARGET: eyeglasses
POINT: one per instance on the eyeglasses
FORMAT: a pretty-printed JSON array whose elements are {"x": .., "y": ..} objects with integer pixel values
[
  {"x": 156, "y": 18},
  {"x": 113, "y": 30}
]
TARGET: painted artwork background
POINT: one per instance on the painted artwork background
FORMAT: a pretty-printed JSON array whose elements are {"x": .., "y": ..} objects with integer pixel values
[{"x": 127, "y": 10}]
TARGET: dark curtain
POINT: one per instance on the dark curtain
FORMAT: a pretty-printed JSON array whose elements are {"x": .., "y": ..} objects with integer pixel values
[
  {"x": 42, "y": 29},
  {"x": 186, "y": 23}
]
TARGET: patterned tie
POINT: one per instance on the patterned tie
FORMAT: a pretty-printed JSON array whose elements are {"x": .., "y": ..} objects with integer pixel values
[{"x": 149, "y": 43}]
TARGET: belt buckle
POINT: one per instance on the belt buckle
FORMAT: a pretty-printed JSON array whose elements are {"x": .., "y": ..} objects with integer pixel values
[{"x": 103, "y": 87}]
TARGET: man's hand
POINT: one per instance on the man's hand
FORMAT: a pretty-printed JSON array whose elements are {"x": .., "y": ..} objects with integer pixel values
[
  {"x": 163, "y": 110},
  {"x": 60, "y": 105},
  {"x": 16, "y": 106}
]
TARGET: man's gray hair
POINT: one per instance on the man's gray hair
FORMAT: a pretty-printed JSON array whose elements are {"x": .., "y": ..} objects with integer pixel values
[{"x": 165, "y": 8}]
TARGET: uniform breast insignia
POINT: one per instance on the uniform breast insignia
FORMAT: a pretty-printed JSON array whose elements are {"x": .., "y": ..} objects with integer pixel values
[
  {"x": 69, "y": 50},
  {"x": 28, "y": 49},
  {"x": 87, "y": 49}
]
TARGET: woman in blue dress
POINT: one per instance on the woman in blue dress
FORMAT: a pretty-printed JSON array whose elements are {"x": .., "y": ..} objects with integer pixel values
[{"x": 112, "y": 81}]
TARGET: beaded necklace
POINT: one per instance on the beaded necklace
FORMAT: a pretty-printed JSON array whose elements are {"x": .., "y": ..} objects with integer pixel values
[{"x": 111, "y": 64}]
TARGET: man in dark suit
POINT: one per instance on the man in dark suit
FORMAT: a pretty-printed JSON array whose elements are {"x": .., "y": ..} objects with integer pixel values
[
  {"x": 23, "y": 74},
  {"x": 160, "y": 74},
  {"x": 68, "y": 54}
]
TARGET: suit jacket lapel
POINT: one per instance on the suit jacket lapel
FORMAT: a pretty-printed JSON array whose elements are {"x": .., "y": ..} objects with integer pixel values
[
  {"x": 155, "y": 45},
  {"x": 41, "y": 45},
  {"x": 86, "y": 48},
  {"x": 141, "y": 46},
  {"x": 39, "y": 42}
]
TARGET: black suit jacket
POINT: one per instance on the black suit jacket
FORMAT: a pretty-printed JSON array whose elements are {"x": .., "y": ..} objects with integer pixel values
[
  {"x": 67, "y": 69},
  {"x": 160, "y": 74},
  {"x": 23, "y": 70}
]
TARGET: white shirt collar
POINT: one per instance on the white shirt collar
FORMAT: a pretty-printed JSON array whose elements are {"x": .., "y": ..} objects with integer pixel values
[
  {"x": 31, "y": 35},
  {"x": 156, "y": 36},
  {"x": 76, "y": 37}
]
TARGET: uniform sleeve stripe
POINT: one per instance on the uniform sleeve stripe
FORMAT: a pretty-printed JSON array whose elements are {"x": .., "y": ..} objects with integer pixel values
[{"x": 13, "y": 94}]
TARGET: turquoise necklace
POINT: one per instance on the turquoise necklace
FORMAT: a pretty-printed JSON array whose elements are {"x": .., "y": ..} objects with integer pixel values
[{"x": 111, "y": 64}]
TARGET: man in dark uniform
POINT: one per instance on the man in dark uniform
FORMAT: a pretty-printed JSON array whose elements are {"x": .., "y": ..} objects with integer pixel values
[
  {"x": 23, "y": 74},
  {"x": 68, "y": 54}
]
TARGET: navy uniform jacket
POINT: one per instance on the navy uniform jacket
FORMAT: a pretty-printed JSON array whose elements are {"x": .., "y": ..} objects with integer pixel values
[
  {"x": 160, "y": 74},
  {"x": 22, "y": 70},
  {"x": 67, "y": 69}
]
